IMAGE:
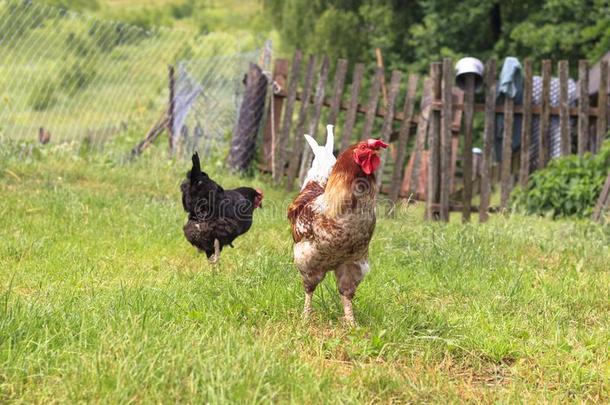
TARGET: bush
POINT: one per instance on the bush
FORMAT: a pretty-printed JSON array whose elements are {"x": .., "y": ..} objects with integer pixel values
[
  {"x": 567, "y": 187},
  {"x": 43, "y": 96}
]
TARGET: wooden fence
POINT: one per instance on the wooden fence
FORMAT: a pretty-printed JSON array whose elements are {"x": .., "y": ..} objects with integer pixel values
[{"x": 433, "y": 138}]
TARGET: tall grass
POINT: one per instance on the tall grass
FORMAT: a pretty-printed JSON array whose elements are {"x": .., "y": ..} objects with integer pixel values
[{"x": 102, "y": 300}]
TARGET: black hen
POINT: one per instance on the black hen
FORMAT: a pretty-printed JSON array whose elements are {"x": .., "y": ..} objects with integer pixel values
[{"x": 215, "y": 216}]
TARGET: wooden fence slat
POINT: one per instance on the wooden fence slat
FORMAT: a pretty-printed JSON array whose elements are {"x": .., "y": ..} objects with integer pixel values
[
  {"x": 272, "y": 134},
  {"x": 371, "y": 108},
  {"x": 386, "y": 129},
  {"x": 339, "y": 80},
  {"x": 446, "y": 120},
  {"x": 602, "y": 106},
  {"x": 564, "y": 118},
  {"x": 422, "y": 131},
  {"x": 583, "y": 106},
  {"x": 507, "y": 149},
  {"x": 488, "y": 135},
  {"x": 293, "y": 81},
  {"x": 297, "y": 142},
  {"x": 468, "y": 120},
  {"x": 434, "y": 144},
  {"x": 350, "y": 116},
  {"x": 526, "y": 134},
  {"x": 403, "y": 138},
  {"x": 543, "y": 137},
  {"x": 315, "y": 118}
]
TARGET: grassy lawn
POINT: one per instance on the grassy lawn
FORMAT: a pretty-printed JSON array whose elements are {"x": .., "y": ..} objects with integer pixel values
[{"x": 102, "y": 300}]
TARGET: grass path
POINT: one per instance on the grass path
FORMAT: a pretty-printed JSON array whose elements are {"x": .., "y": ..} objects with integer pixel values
[{"x": 102, "y": 300}]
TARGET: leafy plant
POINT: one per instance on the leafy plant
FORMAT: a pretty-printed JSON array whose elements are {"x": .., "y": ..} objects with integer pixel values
[
  {"x": 43, "y": 95},
  {"x": 567, "y": 187}
]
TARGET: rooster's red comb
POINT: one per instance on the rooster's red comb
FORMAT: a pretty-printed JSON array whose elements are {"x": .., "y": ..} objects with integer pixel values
[{"x": 376, "y": 143}]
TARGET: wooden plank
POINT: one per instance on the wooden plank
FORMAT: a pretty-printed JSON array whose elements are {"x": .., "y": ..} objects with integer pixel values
[
  {"x": 293, "y": 77},
  {"x": 339, "y": 80},
  {"x": 526, "y": 134},
  {"x": 603, "y": 199},
  {"x": 488, "y": 137},
  {"x": 446, "y": 120},
  {"x": 172, "y": 108},
  {"x": 272, "y": 132},
  {"x": 420, "y": 137},
  {"x": 507, "y": 155},
  {"x": 386, "y": 129},
  {"x": 583, "y": 106},
  {"x": 543, "y": 137},
  {"x": 602, "y": 105},
  {"x": 297, "y": 141},
  {"x": 315, "y": 118},
  {"x": 434, "y": 145},
  {"x": 564, "y": 118},
  {"x": 371, "y": 108},
  {"x": 403, "y": 138},
  {"x": 467, "y": 160},
  {"x": 352, "y": 109}
]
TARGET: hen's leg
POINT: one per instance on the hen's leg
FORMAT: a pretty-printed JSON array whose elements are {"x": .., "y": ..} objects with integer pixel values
[
  {"x": 310, "y": 282},
  {"x": 349, "y": 275},
  {"x": 216, "y": 256}
]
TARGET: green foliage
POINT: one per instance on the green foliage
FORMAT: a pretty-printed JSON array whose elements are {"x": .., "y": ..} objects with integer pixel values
[
  {"x": 568, "y": 186},
  {"x": 43, "y": 95},
  {"x": 417, "y": 32},
  {"x": 182, "y": 10},
  {"x": 77, "y": 76}
]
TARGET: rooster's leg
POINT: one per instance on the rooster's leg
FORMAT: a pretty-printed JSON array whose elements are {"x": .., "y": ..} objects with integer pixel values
[
  {"x": 216, "y": 256},
  {"x": 347, "y": 310},
  {"x": 311, "y": 280},
  {"x": 349, "y": 275},
  {"x": 308, "y": 309}
]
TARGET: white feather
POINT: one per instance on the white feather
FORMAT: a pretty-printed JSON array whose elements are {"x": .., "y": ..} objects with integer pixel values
[{"x": 323, "y": 159}]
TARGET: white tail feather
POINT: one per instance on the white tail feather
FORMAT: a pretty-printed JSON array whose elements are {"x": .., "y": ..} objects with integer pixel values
[{"x": 323, "y": 160}]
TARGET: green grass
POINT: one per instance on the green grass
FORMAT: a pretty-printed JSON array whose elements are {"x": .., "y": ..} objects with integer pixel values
[{"x": 102, "y": 300}]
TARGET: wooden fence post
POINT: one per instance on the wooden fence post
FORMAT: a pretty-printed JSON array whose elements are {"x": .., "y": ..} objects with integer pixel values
[
  {"x": 507, "y": 152},
  {"x": 524, "y": 169},
  {"x": 468, "y": 120},
  {"x": 421, "y": 133},
  {"x": 403, "y": 138},
  {"x": 446, "y": 120},
  {"x": 315, "y": 118},
  {"x": 371, "y": 109},
  {"x": 172, "y": 107},
  {"x": 352, "y": 109},
  {"x": 339, "y": 80},
  {"x": 388, "y": 120},
  {"x": 490, "y": 103},
  {"x": 297, "y": 141},
  {"x": 434, "y": 144},
  {"x": 294, "y": 74},
  {"x": 602, "y": 106},
  {"x": 271, "y": 136},
  {"x": 583, "y": 106},
  {"x": 564, "y": 113},
  {"x": 543, "y": 136}
]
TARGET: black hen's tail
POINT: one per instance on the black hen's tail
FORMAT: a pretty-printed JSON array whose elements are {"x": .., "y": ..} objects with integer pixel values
[{"x": 196, "y": 171}]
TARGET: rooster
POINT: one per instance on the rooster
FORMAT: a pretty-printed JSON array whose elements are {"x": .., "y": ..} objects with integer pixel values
[
  {"x": 332, "y": 224},
  {"x": 215, "y": 216}
]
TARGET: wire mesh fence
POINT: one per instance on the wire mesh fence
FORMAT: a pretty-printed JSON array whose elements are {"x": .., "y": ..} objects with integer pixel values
[{"x": 69, "y": 77}]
